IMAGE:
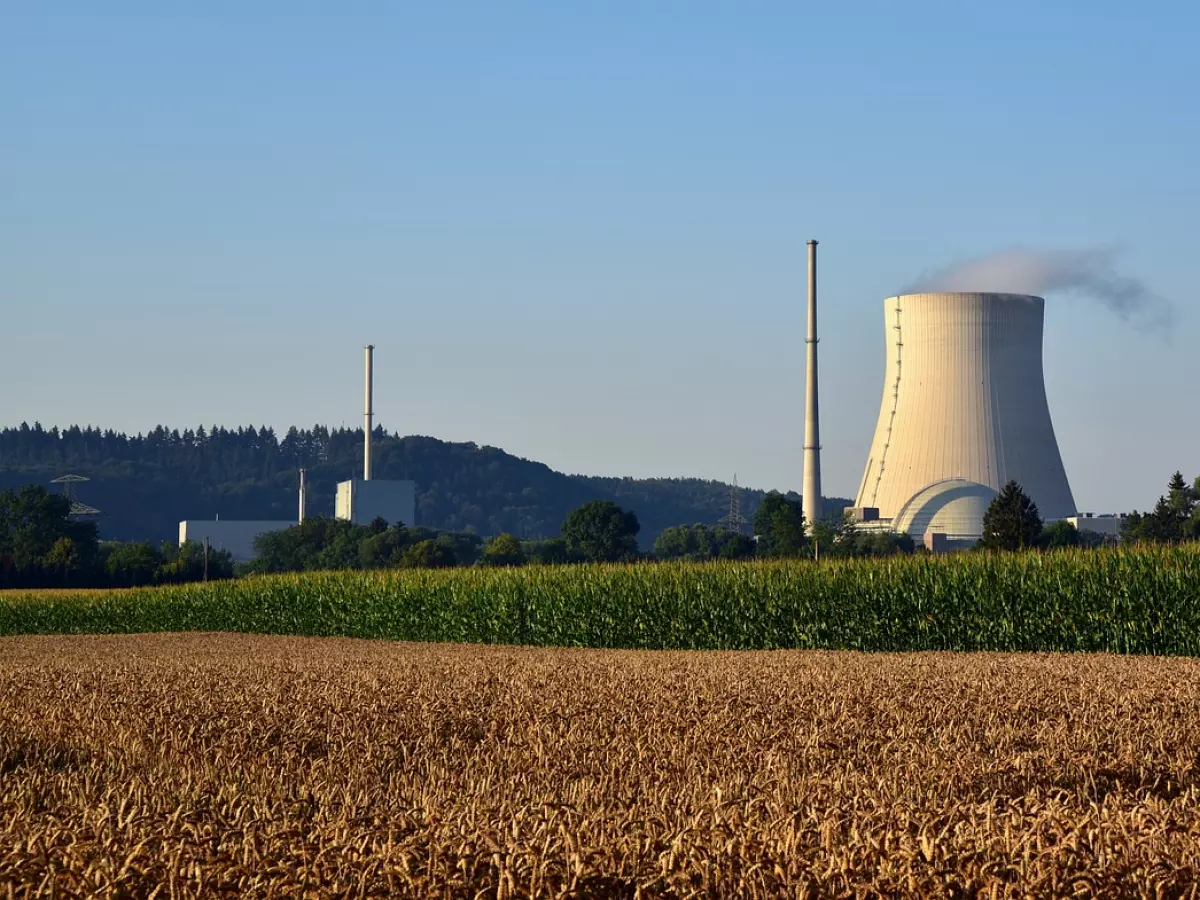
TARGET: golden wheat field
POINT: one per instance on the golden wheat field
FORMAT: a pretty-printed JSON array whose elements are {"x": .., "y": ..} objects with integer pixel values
[{"x": 209, "y": 765}]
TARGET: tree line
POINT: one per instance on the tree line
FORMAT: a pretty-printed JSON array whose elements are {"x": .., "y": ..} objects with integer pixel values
[
  {"x": 145, "y": 484},
  {"x": 1175, "y": 518},
  {"x": 780, "y": 530},
  {"x": 1012, "y": 521},
  {"x": 597, "y": 531},
  {"x": 42, "y": 545}
]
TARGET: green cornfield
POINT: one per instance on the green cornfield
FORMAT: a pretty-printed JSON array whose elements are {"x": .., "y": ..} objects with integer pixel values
[{"x": 1122, "y": 600}]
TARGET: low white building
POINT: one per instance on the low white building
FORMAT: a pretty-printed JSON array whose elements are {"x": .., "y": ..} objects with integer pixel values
[
  {"x": 234, "y": 537},
  {"x": 1106, "y": 524}
]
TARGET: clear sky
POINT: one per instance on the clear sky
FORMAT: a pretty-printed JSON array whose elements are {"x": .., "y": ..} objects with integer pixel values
[{"x": 576, "y": 230}]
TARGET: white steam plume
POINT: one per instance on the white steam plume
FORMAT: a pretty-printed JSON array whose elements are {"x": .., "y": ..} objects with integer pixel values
[{"x": 1088, "y": 273}]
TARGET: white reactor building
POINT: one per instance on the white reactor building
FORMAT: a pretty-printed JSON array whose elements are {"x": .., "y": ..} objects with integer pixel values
[{"x": 964, "y": 411}]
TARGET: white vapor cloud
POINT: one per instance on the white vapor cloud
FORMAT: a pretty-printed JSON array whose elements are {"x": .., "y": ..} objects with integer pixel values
[{"x": 1089, "y": 273}]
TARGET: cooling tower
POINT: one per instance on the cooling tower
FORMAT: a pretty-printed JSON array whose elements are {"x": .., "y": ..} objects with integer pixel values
[{"x": 964, "y": 411}]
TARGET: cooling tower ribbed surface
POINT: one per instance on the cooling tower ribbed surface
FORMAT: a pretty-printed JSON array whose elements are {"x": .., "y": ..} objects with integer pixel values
[{"x": 964, "y": 400}]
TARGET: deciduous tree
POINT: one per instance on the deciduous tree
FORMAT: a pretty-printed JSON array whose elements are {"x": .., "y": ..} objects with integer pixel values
[
  {"x": 504, "y": 550},
  {"x": 600, "y": 531},
  {"x": 779, "y": 526}
]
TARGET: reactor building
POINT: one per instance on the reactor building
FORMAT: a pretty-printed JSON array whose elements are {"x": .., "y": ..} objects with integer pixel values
[
  {"x": 964, "y": 411},
  {"x": 361, "y": 500}
]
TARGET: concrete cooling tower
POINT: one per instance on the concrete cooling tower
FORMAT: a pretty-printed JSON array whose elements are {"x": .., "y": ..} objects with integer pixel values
[{"x": 964, "y": 411}]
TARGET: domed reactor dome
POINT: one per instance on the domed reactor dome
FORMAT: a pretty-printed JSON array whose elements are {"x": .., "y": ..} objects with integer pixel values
[{"x": 964, "y": 411}]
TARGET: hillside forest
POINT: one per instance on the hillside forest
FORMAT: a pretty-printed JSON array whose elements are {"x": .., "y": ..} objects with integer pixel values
[{"x": 145, "y": 484}]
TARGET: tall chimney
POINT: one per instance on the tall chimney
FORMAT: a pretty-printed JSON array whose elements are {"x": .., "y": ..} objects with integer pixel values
[
  {"x": 369, "y": 415},
  {"x": 302, "y": 497},
  {"x": 812, "y": 429}
]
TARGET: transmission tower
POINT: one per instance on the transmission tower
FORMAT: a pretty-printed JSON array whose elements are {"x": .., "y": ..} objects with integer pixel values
[
  {"x": 77, "y": 509},
  {"x": 734, "y": 520}
]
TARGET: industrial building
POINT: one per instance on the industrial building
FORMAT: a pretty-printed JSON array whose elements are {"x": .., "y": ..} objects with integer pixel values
[
  {"x": 361, "y": 501},
  {"x": 964, "y": 411},
  {"x": 1107, "y": 525},
  {"x": 235, "y": 537}
]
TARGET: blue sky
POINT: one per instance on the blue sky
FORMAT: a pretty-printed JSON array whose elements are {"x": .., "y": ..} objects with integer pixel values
[{"x": 576, "y": 230}]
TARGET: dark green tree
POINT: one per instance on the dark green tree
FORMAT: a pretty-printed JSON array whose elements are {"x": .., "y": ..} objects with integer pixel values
[
  {"x": 1176, "y": 515},
  {"x": 465, "y": 548},
  {"x": 1132, "y": 527},
  {"x": 182, "y": 563},
  {"x": 298, "y": 548},
  {"x": 600, "y": 531},
  {"x": 1012, "y": 521},
  {"x": 736, "y": 546},
  {"x": 504, "y": 550},
  {"x": 64, "y": 562},
  {"x": 342, "y": 552},
  {"x": 779, "y": 526},
  {"x": 692, "y": 542},
  {"x": 1059, "y": 534},
  {"x": 1163, "y": 524},
  {"x": 834, "y": 537},
  {"x": 33, "y": 520},
  {"x": 427, "y": 555},
  {"x": 132, "y": 564},
  {"x": 1192, "y": 531},
  {"x": 701, "y": 542},
  {"x": 552, "y": 552},
  {"x": 382, "y": 549},
  {"x": 1183, "y": 502},
  {"x": 333, "y": 544},
  {"x": 882, "y": 543}
]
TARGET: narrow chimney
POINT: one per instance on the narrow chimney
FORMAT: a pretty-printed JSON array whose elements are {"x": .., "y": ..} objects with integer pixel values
[
  {"x": 369, "y": 415},
  {"x": 812, "y": 430},
  {"x": 302, "y": 497}
]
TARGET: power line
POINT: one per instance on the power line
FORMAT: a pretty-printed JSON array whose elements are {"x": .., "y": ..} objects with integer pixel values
[{"x": 734, "y": 520}]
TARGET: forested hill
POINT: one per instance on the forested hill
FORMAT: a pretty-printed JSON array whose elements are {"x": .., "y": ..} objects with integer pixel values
[{"x": 145, "y": 484}]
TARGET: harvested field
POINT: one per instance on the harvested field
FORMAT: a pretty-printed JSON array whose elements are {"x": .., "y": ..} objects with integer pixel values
[{"x": 252, "y": 766}]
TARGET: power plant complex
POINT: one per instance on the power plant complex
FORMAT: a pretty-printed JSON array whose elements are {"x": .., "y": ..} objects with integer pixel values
[
  {"x": 359, "y": 500},
  {"x": 963, "y": 412}
]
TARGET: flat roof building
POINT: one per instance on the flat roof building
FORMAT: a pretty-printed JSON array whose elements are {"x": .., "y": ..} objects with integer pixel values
[
  {"x": 1107, "y": 524},
  {"x": 360, "y": 502},
  {"x": 234, "y": 537}
]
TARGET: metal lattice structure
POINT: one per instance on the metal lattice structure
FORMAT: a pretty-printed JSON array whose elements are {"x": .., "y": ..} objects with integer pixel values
[
  {"x": 734, "y": 520},
  {"x": 68, "y": 483}
]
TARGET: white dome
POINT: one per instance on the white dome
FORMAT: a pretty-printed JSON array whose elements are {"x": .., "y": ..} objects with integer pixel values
[{"x": 954, "y": 507}]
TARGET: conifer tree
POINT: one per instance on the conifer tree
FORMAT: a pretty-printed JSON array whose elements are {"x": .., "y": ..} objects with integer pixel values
[{"x": 1012, "y": 521}]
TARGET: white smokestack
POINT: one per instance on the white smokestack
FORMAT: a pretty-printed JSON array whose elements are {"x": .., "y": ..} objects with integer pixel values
[
  {"x": 302, "y": 497},
  {"x": 812, "y": 428},
  {"x": 368, "y": 416}
]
